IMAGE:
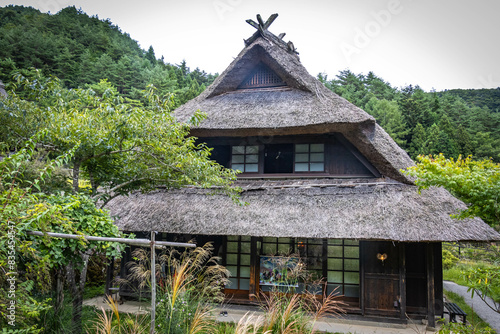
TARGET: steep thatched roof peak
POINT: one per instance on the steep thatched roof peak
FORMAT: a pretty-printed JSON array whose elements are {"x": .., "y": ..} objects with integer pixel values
[{"x": 299, "y": 104}]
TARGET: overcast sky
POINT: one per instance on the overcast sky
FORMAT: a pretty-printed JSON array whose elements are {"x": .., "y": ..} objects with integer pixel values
[{"x": 440, "y": 44}]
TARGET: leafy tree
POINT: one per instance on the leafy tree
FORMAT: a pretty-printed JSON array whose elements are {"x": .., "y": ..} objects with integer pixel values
[
  {"x": 476, "y": 183},
  {"x": 120, "y": 147},
  {"x": 389, "y": 117},
  {"x": 123, "y": 147},
  {"x": 419, "y": 142},
  {"x": 27, "y": 260}
]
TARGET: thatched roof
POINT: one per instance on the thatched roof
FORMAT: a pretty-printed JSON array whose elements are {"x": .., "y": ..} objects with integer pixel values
[
  {"x": 373, "y": 209},
  {"x": 367, "y": 209},
  {"x": 303, "y": 106}
]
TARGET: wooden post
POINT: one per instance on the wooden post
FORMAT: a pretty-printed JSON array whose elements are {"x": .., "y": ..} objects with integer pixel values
[
  {"x": 362, "y": 261},
  {"x": 109, "y": 275},
  {"x": 252, "y": 291},
  {"x": 431, "y": 314},
  {"x": 153, "y": 283},
  {"x": 402, "y": 280}
]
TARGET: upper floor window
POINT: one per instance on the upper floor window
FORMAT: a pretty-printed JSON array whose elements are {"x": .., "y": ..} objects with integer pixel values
[
  {"x": 309, "y": 158},
  {"x": 245, "y": 158}
]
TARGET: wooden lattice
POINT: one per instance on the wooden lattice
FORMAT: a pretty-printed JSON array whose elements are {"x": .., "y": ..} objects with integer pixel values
[{"x": 261, "y": 77}]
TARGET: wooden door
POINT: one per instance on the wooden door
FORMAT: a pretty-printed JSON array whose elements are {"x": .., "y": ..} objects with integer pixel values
[{"x": 381, "y": 278}]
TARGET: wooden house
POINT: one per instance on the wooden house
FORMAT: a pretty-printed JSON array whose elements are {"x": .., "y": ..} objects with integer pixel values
[{"x": 322, "y": 180}]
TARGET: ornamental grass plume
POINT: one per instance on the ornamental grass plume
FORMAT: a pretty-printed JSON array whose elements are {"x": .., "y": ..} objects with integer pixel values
[{"x": 189, "y": 287}]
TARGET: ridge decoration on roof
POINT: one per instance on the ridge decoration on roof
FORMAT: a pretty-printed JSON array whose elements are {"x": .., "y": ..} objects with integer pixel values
[{"x": 262, "y": 31}]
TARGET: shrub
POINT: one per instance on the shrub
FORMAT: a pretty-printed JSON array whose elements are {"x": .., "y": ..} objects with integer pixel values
[{"x": 449, "y": 260}]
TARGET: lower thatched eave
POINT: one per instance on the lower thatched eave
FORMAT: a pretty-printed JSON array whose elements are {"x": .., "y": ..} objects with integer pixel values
[{"x": 364, "y": 210}]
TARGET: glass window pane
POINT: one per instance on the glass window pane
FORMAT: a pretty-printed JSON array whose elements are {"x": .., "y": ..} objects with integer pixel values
[
  {"x": 302, "y": 157},
  {"x": 245, "y": 272},
  {"x": 315, "y": 250},
  {"x": 238, "y": 150},
  {"x": 233, "y": 270},
  {"x": 245, "y": 238},
  {"x": 317, "y": 167},
  {"x": 237, "y": 159},
  {"x": 352, "y": 291},
  {"x": 352, "y": 265},
  {"x": 232, "y": 237},
  {"x": 233, "y": 283},
  {"x": 352, "y": 278},
  {"x": 232, "y": 247},
  {"x": 252, "y": 168},
  {"x": 317, "y": 147},
  {"x": 252, "y": 149},
  {"x": 269, "y": 249},
  {"x": 335, "y": 277},
  {"x": 284, "y": 249},
  {"x": 352, "y": 252},
  {"x": 245, "y": 247},
  {"x": 244, "y": 284},
  {"x": 335, "y": 241},
  {"x": 351, "y": 242},
  {"x": 315, "y": 241},
  {"x": 231, "y": 259},
  {"x": 244, "y": 260},
  {"x": 334, "y": 287},
  {"x": 317, "y": 157},
  {"x": 284, "y": 240},
  {"x": 239, "y": 167},
  {"x": 253, "y": 158},
  {"x": 335, "y": 251},
  {"x": 269, "y": 239},
  {"x": 301, "y": 167},
  {"x": 299, "y": 148},
  {"x": 334, "y": 264}
]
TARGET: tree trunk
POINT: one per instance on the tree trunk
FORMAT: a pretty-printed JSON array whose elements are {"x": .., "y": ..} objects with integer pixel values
[
  {"x": 77, "y": 288},
  {"x": 76, "y": 176},
  {"x": 59, "y": 302}
]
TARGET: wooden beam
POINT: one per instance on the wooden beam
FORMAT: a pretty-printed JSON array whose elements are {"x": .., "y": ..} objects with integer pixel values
[
  {"x": 270, "y": 20},
  {"x": 133, "y": 242},
  {"x": 253, "y": 23},
  {"x": 261, "y": 22},
  {"x": 431, "y": 314}
]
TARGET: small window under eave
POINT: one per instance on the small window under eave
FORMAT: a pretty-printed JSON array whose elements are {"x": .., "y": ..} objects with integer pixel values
[{"x": 261, "y": 77}]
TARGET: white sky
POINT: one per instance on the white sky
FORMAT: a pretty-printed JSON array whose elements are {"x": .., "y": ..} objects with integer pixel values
[{"x": 440, "y": 44}]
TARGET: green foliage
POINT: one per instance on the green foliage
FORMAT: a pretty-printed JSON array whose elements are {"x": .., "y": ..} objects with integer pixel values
[
  {"x": 476, "y": 183},
  {"x": 449, "y": 260},
  {"x": 122, "y": 146},
  {"x": 82, "y": 50},
  {"x": 484, "y": 281},
  {"x": 460, "y": 328},
  {"x": 27, "y": 259}
]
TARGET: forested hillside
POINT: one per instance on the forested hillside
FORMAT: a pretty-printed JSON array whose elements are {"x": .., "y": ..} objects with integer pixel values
[
  {"x": 81, "y": 50},
  {"x": 452, "y": 122}
]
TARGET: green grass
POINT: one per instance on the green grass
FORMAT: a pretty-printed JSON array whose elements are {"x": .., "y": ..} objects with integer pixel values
[{"x": 472, "y": 317}]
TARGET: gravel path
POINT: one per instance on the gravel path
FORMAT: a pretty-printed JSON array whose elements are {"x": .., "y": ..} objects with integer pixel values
[{"x": 480, "y": 307}]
